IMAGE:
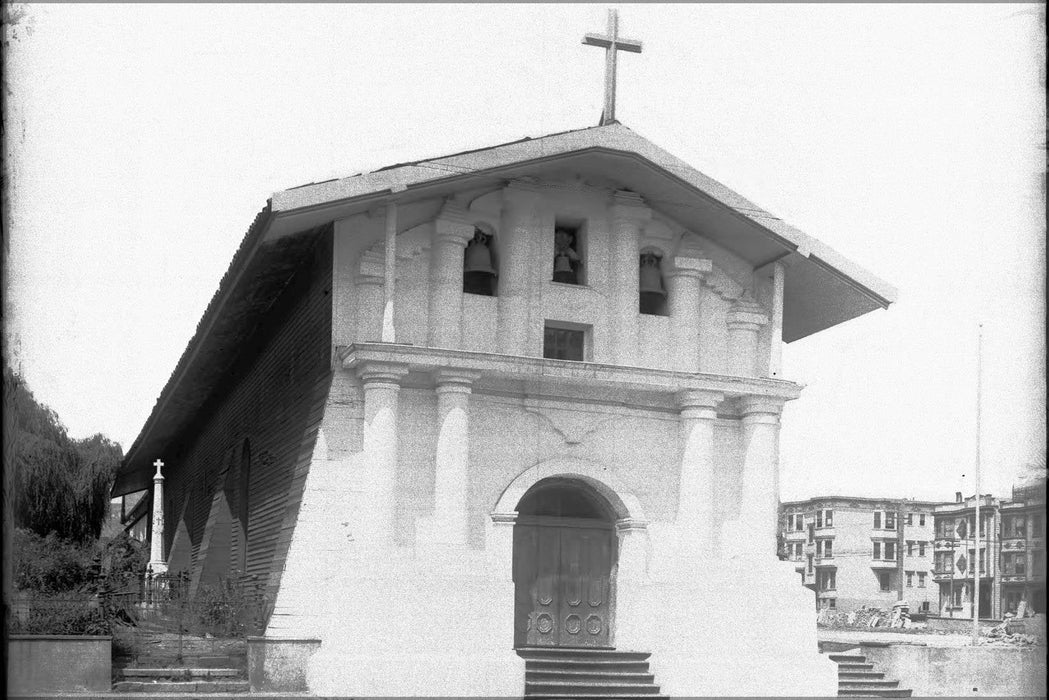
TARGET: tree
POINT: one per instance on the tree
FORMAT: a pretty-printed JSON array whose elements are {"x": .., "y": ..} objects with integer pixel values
[{"x": 57, "y": 484}]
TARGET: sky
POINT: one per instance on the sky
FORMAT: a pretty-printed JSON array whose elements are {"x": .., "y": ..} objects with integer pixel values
[{"x": 143, "y": 139}]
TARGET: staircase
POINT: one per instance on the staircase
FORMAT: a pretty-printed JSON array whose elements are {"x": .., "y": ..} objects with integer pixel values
[
  {"x": 857, "y": 678},
  {"x": 555, "y": 672},
  {"x": 204, "y": 666}
]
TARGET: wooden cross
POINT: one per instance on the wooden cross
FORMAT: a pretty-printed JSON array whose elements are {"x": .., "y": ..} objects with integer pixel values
[
  {"x": 158, "y": 464},
  {"x": 611, "y": 43}
]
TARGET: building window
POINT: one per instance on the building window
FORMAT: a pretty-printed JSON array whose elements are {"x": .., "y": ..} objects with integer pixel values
[
  {"x": 910, "y": 579},
  {"x": 1014, "y": 563},
  {"x": 921, "y": 519},
  {"x": 1036, "y": 525},
  {"x": 561, "y": 343},
  {"x": 925, "y": 604},
  {"x": 890, "y": 551},
  {"x": 825, "y": 579},
  {"x": 828, "y": 548},
  {"x": 832, "y": 604},
  {"x": 1038, "y": 563},
  {"x": 479, "y": 271},
  {"x": 652, "y": 293},
  {"x": 569, "y": 253},
  {"x": 810, "y": 563},
  {"x": 877, "y": 550},
  {"x": 884, "y": 581},
  {"x": 943, "y": 528},
  {"x": 921, "y": 549},
  {"x": 910, "y": 518},
  {"x": 910, "y": 548},
  {"x": 921, "y": 580},
  {"x": 1015, "y": 526},
  {"x": 943, "y": 563},
  {"x": 828, "y": 518},
  {"x": 799, "y": 522},
  {"x": 819, "y": 518},
  {"x": 812, "y": 532},
  {"x": 877, "y": 520},
  {"x": 890, "y": 520}
]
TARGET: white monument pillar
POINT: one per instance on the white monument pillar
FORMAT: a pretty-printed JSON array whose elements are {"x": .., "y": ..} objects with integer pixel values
[
  {"x": 760, "y": 494},
  {"x": 370, "y": 295},
  {"x": 695, "y": 519},
  {"x": 452, "y": 231},
  {"x": 684, "y": 279},
  {"x": 381, "y": 384},
  {"x": 451, "y": 483},
  {"x": 628, "y": 214},
  {"x": 520, "y": 231},
  {"x": 157, "y": 563},
  {"x": 745, "y": 319}
]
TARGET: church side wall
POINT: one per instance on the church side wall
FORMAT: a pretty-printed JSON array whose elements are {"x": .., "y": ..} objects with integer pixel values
[{"x": 273, "y": 398}]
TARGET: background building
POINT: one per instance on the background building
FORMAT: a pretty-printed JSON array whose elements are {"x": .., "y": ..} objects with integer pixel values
[
  {"x": 1012, "y": 553},
  {"x": 856, "y": 552}
]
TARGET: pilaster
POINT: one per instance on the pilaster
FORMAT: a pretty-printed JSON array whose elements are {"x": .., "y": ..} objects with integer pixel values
[
  {"x": 696, "y": 491},
  {"x": 381, "y": 384},
  {"x": 684, "y": 278},
  {"x": 745, "y": 319},
  {"x": 760, "y": 493},
  {"x": 452, "y": 231},
  {"x": 628, "y": 214},
  {"x": 449, "y": 524},
  {"x": 520, "y": 232}
]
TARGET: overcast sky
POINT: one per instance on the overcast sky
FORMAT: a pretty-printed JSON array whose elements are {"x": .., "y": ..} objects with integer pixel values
[{"x": 143, "y": 139}]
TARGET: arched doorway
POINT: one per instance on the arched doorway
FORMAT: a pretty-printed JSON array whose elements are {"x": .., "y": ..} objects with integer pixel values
[{"x": 564, "y": 555}]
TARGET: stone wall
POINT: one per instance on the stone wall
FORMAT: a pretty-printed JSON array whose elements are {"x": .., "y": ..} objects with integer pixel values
[
  {"x": 58, "y": 663},
  {"x": 961, "y": 671}
]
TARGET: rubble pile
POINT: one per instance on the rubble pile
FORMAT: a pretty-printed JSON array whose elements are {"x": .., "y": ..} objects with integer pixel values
[
  {"x": 871, "y": 618},
  {"x": 999, "y": 635}
]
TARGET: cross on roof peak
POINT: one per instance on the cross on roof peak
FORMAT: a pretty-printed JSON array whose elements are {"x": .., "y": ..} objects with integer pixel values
[{"x": 612, "y": 43}]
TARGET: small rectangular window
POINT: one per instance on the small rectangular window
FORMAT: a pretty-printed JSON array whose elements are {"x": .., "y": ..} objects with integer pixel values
[
  {"x": 877, "y": 550},
  {"x": 564, "y": 343},
  {"x": 884, "y": 580},
  {"x": 890, "y": 551},
  {"x": 921, "y": 519},
  {"x": 890, "y": 520},
  {"x": 819, "y": 518},
  {"x": 877, "y": 520},
  {"x": 829, "y": 518},
  {"x": 910, "y": 518},
  {"x": 910, "y": 548},
  {"x": 910, "y": 579},
  {"x": 832, "y": 604},
  {"x": 921, "y": 549}
]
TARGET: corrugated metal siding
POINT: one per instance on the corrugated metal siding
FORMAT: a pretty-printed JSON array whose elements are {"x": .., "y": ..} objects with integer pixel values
[{"x": 274, "y": 397}]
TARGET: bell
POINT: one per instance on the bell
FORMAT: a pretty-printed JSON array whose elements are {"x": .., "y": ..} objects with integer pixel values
[
  {"x": 478, "y": 258},
  {"x": 650, "y": 281}
]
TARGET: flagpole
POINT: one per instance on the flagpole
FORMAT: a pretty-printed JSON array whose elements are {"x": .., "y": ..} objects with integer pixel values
[{"x": 976, "y": 533}]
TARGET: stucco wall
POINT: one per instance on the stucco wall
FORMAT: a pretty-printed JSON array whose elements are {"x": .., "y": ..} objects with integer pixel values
[
  {"x": 51, "y": 664},
  {"x": 960, "y": 671}
]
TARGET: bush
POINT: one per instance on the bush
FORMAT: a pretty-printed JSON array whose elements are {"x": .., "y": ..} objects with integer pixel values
[
  {"x": 61, "y": 614},
  {"x": 50, "y": 565}
]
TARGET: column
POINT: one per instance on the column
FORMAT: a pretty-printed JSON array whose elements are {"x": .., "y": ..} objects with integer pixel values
[
  {"x": 452, "y": 231},
  {"x": 381, "y": 384},
  {"x": 157, "y": 563},
  {"x": 520, "y": 231},
  {"x": 451, "y": 481},
  {"x": 776, "y": 349},
  {"x": 370, "y": 296},
  {"x": 745, "y": 319},
  {"x": 759, "y": 500},
  {"x": 628, "y": 214},
  {"x": 684, "y": 277},
  {"x": 695, "y": 510},
  {"x": 389, "y": 334}
]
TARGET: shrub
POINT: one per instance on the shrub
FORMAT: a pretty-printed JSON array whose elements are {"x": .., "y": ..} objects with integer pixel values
[{"x": 50, "y": 565}]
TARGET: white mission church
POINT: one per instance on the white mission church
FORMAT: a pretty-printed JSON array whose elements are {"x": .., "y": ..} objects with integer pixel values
[{"x": 504, "y": 423}]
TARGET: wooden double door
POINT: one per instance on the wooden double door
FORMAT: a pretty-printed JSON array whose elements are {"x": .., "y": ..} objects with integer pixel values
[{"x": 563, "y": 581}]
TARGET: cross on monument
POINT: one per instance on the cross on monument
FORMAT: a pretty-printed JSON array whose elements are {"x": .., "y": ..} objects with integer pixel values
[
  {"x": 611, "y": 43},
  {"x": 158, "y": 464}
]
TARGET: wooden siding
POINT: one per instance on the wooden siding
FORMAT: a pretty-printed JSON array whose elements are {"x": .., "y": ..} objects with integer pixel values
[{"x": 271, "y": 403}]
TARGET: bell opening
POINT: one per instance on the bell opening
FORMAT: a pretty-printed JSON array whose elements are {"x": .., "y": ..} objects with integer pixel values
[
  {"x": 652, "y": 293},
  {"x": 479, "y": 265}
]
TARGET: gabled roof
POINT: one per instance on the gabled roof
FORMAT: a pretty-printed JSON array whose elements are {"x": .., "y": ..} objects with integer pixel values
[{"x": 821, "y": 287}]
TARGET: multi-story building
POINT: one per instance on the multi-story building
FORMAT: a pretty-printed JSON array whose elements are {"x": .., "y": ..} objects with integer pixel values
[
  {"x": 1012, "y": 553},
  {"x": 856, "y": 552},
  {"x": 956, "y": 556}
]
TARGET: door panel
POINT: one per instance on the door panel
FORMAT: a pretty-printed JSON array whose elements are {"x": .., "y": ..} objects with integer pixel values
[{"x": 562, "y": 585}]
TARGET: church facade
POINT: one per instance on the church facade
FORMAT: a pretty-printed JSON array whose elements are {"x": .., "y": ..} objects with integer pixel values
[{"x": 470, "y": 412}]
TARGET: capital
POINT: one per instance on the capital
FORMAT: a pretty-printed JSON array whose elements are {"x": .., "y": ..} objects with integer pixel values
[
  {"x": 681, "y": 266},
  {"x": 629, "y": 206},
  {"x": 453, "y": 223},
  {"x": 746, "y": 315},
  {"x": 454, "y": 380},
  {"x": 522, "y": 192},
  {"x": 757, "y": 407},
  {"x": 377, "y": 374},
  {"x": 699, "y": 399}
]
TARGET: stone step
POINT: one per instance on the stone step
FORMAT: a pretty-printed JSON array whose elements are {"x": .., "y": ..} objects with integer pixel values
[
  {"x": 860, "y": 675},
  {"x": 855, "y": 667},
  {"x": 589, "y": 688},
  {"x": 848, "y": 658},
  {"x": 882, "y": 693},
  {"x": 575, "y": 675},
  {"x": 177, "y": 672},
  {"x": 529, "y": 653},
  {"x": 181, "y": 687},
  {"x": 595, "y": 666},
  {"x": 150, "y": 660},
  {"x": 866, "y": 684},
  {"x": 576, "y": 696}
]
